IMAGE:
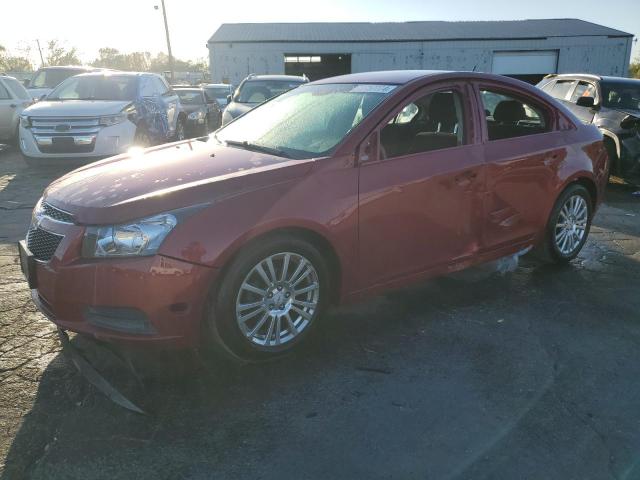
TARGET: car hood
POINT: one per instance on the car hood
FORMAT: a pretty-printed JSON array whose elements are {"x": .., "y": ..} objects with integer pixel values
[
  {"x": 236, "y": 109},
  {"x": 76, "y": 108},
  {"x": 135, "y": 185}
]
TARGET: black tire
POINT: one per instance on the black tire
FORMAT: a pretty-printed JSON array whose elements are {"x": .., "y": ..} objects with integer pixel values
[
  {"x": 613, "y": 159},
  {"x": 181, "y": 132},
  {"x": 142, "y": 137},
  {"x": 550, "y": 251},
  {"x": 222, "y": 332}
]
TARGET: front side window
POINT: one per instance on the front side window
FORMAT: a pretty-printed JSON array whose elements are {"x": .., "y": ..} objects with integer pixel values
[
  {"x": 307, "y": 122},
  {"x": 96, "y": 87},
  {"x": 432, "y": 122},
  {"x": 509, "y": 116},
  {"x": 621, "y": 94},
  {"x": 583, "y": 89}
]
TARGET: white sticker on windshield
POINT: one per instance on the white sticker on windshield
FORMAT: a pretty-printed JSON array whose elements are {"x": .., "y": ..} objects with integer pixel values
[{"x": 372, "y": 88}]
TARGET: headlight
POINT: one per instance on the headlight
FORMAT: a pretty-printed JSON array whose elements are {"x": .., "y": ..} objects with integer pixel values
[
  {"x": 226, "y": 117},
  {"x": 109, "y": 120},
  {"x": 25, "y": 121},
  {"x": 139, "y": 238},
  {"x": 199, "y": 115}
]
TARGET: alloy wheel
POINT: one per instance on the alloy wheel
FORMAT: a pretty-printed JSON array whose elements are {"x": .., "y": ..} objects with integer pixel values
[
  {"x": 571, "y": 225},
  {"x": 277, "y": 299}
]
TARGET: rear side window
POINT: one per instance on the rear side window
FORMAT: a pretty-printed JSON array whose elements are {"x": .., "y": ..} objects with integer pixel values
[
  {"x": 18, "y": 90},
  {"x": 4, "y": 94},
  {"x": 584, "y": 89},
  {"x": 509, "y": 116},
  {"x": 432, "y": 122},
  {"x": 561, "y": 89}
]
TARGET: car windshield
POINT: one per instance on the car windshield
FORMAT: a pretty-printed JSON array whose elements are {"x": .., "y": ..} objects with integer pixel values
[
  {"x": 51, "y": 78},
  {"x": 190, "y": 97},
  {"x": 258, "y": 91},
  {"x": 307, "y": 122},
  {"x": 96, "y": 87},
  {"x": 625, "y": 95},
  {"x": 218, "y": 92}
]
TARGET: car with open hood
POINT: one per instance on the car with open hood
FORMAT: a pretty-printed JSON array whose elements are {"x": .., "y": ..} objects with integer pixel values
[
  {"x": 101, "y": 114},
  {"x": 332, "y": 192},
  {"x": 610, "y": 103}
]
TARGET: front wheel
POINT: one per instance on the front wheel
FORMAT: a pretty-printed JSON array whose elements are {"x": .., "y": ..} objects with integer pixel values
[
  {"x": 569, "y": 224},
  {"x": 270, "y": 299}
]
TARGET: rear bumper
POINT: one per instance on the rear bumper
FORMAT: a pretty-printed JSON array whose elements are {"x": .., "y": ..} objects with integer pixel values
[{"x": 149, "y": 300}]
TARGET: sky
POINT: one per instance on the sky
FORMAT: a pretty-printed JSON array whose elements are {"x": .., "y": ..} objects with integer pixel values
[{"x": 134, "y": 25}]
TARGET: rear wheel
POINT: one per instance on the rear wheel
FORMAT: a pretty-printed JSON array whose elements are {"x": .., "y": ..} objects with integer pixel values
[
  {"x": 269, "y": 301},
  {"x": 569, "y": 224}
]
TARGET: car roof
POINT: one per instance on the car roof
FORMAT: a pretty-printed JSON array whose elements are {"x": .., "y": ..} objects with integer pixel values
[
  {"x": 119, "y": 73},
  {"x": 395, "y": 77},
  {"x": 185, "y": 87},
  {"x": 276, "y": 77},
  {"x": 71, "y": 67},
  {"x": 620, "y": 80},
  {"x": 216, "y": 85}
]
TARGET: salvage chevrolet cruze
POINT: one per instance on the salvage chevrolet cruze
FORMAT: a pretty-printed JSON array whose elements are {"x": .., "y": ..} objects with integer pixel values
[{"x": 337, "y": 190}]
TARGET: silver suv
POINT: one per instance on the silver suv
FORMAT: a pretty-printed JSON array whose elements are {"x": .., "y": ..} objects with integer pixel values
[{"x": 14, "y": 98}]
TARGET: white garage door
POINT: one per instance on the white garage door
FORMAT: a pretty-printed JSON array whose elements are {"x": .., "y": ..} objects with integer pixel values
[{"x": 525, "y": 63}]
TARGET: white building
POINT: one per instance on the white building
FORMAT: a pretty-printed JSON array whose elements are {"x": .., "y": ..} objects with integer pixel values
[{"x": 526, "y": 49}]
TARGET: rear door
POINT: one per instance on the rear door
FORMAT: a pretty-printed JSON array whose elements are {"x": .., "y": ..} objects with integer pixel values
[
  {"x": 523, "y": 152},
  {"x": 7, "y": 112},
  {"x": 419, "y": 189}
]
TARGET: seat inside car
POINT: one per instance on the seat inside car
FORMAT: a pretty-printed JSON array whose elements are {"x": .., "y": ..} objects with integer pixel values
[
  {"x": 506, "y": 116},
  {"x": 443, "y": 125}
]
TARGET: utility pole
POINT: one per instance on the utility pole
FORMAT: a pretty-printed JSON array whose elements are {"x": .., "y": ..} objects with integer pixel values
[
  {"x": 166, "y": 29},
  {"x": 40, "y": 50}
]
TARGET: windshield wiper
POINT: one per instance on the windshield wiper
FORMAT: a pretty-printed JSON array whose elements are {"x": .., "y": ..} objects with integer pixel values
[{"x": 257, "y": 148}]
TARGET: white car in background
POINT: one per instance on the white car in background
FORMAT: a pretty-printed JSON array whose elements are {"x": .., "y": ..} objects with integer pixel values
[
  {"x": 14, "y": 98},
  {"x": 47, "y": 78}
]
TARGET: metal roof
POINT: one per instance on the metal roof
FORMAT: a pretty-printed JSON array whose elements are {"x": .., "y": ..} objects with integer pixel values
[{"x": 409, "y": 31}]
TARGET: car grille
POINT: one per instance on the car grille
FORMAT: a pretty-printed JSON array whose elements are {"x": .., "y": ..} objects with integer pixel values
[
  {"x": 65, "y": 135},
  {"x": 56, "y": 214},
  {"x": 43, "y": 244}
]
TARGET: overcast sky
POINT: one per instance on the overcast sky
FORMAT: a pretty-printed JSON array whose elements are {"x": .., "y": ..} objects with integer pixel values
[{"x": 134, "y": 25}]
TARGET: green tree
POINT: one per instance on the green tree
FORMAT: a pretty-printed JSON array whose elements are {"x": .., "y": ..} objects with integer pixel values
[
  {"x": 59, "y": 55},
  {"x": 112, "y": 58},
  {"x": 634, "y": 68},
  {"x": 13, "y": 63}
]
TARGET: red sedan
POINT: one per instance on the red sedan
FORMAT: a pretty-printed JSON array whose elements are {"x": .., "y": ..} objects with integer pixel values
[{"x": 336, "y": 190}]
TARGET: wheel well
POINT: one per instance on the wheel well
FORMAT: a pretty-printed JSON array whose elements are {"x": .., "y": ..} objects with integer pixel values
[
  {"x": 315, "y": 239},
  {"x": 610, "y": 146},
  {"x": 591, "y": 187}
]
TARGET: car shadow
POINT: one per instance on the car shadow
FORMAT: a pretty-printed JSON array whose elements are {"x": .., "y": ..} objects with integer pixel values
[{"x": 454, "y": 377}]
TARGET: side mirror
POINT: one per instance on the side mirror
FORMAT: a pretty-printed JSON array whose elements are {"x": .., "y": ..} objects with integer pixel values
[
  {"x": 630, "y": 122},
  {"x": 368, "y": 150},
  {"x": 587, "y": 102},
  {"x": 228, "y": 99}
]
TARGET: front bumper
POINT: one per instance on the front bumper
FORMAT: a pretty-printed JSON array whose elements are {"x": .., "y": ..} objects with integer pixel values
[
  {"x": 196, "y": 127},
  {"x": 106, "y": 142},
  {"x": 144, "y": 300}
]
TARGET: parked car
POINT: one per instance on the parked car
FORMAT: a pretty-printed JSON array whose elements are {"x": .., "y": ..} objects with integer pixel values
[
  {"x": 203, "y": 113},
  {"x": 14, "y": 98},
  {"x": 101, "y": 114},
  {"x": 220, "y": 92},
  {"x": 613, "y": 105},
  {"x": 256, "y": 89},
  {"x": 46, "y": 79},
  {"x": 331, "y": 192}
]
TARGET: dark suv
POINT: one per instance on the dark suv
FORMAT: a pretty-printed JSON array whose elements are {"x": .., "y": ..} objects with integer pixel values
[{"x": 613, "y": 105}]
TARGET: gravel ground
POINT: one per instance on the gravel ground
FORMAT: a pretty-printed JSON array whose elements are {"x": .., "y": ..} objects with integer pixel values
[{"x": 473, "y": 376}]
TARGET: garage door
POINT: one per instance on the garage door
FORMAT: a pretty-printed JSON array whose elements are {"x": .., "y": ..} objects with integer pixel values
[{"x": 533, "y": 62}]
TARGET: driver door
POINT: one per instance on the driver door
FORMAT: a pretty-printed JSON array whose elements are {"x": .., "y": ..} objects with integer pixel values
[{"x": 420, "y": 185}]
